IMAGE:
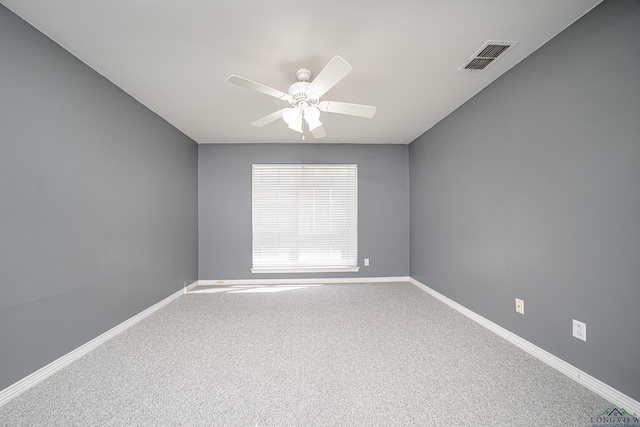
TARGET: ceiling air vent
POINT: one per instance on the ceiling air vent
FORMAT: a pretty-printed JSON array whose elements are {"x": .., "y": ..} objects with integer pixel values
[{"x": 486, "y": 55}]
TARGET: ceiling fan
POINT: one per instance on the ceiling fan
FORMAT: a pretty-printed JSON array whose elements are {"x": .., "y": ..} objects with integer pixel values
[{"x": 304, "y": 97}]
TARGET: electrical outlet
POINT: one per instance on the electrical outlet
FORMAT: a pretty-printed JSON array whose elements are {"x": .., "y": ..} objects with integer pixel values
[
  {"x": 519, "y": 306},
  {"x": 366, "y": 262},
  {"x": 579, "y": 330}
]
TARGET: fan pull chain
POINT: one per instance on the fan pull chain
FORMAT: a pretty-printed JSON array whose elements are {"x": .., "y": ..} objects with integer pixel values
[{"x": 302, "y": 115}]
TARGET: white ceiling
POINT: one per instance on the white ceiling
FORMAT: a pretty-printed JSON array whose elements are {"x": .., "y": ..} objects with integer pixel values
[{"x": 174, "y": 56}]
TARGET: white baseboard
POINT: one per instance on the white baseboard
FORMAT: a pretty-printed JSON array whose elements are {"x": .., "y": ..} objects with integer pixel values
[
  {"x": 24, "y": 384},
  {"x": 303, "y": 281},
  {"x": 611, "y": 394}
]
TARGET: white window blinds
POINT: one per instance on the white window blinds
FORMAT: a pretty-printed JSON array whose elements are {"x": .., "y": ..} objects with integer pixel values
[{"x": 305, "y": 218}]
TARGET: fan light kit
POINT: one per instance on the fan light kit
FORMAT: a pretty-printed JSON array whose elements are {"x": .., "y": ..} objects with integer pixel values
[{"x": 304, "y": 97}]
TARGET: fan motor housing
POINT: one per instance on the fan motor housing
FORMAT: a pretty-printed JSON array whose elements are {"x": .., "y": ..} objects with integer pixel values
[{"x": 299, "y": 92}]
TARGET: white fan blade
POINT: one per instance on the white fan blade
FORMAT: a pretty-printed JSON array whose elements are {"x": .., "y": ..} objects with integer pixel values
[
  {"x": 359, "y": 110},
  {"x": 336, "y": 70},
  {"x": 319, "y": 132},
  {"x": 249, "y": 84},
  {"x": 270, "y": 118}
]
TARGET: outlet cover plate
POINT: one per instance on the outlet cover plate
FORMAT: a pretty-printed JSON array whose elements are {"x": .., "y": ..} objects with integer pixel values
[
  {"x": 520, "y": 306},
  {"x": 579, "y": 330}
]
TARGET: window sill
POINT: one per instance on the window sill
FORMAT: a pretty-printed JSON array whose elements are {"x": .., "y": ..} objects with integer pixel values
[{"x": 306, "y": 270}]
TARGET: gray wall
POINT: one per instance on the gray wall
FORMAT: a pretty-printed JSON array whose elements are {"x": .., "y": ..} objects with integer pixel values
[
  {"x": 224, "y": 174},
  {"x": 532, "y": 190},
  {"x": 98, "y": 203}
]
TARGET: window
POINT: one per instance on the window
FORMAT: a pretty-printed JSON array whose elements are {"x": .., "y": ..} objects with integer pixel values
[{"x": 305, "y": 218}]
